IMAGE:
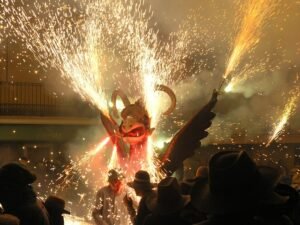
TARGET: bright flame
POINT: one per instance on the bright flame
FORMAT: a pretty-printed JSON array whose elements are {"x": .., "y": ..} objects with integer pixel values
[
  {"x": 73, "y": 220},
  {"x": 228, "y": 88},
  {"x": 255, "y": 15},
  {"x": 113, "y": 160},
  {"x": 160, "y": 142},
  {"x": 288, "y": 111},
  {"x": 98, "y": 148},
  {"x": 245, "y": 73},
  {"x": 119, "y": 105}
]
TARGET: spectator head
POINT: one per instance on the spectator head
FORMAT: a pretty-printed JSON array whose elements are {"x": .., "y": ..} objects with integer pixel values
[
  {"x": 56, "y": 205},
  {"x": 169, "y": 199},
  {"x": 7, "y": 219},
  {"x": 115, "y": 179},
  {"x": 235, "y": 184},
  {"x": 202, "y": 171},
  {"x": 16, "y": 174},
  {"x": 141, "y": 183}
]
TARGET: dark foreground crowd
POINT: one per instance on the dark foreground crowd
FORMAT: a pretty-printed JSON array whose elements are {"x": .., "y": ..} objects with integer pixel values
[{"x": 231, "y": 190}]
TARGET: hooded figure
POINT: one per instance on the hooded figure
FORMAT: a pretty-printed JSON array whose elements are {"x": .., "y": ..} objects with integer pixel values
[{"x": 18, "y": 197}]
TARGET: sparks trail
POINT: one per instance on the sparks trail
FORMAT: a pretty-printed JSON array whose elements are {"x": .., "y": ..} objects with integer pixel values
[
  {"x": 288, "y": 111},
  {"x": 68, "y": 174},
  {"x": 255, "y": 16}
]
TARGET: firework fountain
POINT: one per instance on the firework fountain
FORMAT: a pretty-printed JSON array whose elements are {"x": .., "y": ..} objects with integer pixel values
[
  {"x": 288, "y": 111},
  {"x": 255, "y": 16}
]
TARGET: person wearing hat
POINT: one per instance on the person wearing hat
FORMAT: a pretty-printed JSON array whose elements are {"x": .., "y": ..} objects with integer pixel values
[
  {"x": 18, "y": 197},
  {"x": 7, "y": 219},
  {"x": 168, "y": 205},
  {"x": 235, "y": 188},
  {"x": 56, "y": 208},
  {"x": 187, "y": 185},
  {"x": 144, "y": 189},
  {"x": 109, "y": 208}
]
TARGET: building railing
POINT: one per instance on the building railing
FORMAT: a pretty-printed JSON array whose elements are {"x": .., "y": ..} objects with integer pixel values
[{"x": 32, "y": 99}]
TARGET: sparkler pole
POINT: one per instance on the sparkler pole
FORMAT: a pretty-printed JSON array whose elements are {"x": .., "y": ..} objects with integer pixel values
[{"x": 221, "y": 84}]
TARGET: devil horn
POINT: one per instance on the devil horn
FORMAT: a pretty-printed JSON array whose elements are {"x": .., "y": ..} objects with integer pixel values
[
  {"x": 167, "y": 90},
  {"x": 118, "y": 93}
]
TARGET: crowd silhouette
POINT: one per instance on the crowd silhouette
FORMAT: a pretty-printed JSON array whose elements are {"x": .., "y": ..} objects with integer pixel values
[{"x": 233, "y": 190}]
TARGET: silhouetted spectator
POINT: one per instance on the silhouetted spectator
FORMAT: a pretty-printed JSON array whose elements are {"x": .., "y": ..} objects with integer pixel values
[
  {"x": 143, "y": 188},
  {"x": 187, "y": 185},
  {"x": 18, "y": 197},
  {"x": 7, "y": 219},
  {"x": 290, "y": 208},
  {"x": 269, "y": 213},
  {"x": 109, "y": 208},
  {"x": 234, "y": 189},
  {"x": 56, "y": 208},
  {"x": 168, "y": 205}
]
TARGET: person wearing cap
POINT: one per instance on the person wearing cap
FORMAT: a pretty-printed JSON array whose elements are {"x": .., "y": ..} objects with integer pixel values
[
  {"x": 144, "y": 189},
  {"x": 109, "y": 208},
  {"x": 56, "y": 208},
  {"x": 236, "y": 187},
  {"x": 168, "y": 205},
  {"x": 18, "y": 197}
]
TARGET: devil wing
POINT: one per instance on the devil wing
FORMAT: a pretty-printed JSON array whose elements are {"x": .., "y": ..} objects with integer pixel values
[
  {"x": 112, "y": 129},
  {"x": 187, "y": 139}
]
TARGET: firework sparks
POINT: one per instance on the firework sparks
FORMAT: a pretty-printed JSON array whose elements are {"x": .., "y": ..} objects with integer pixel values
[
  {"x": 152, "y": 161},
  {"x": 255, "y": 16},
  {"x": 113, "y": 160},
  {"x": 288, "y": 111},
  {"x": 245, "y": 74},
  {"x": 65, "y": 40},
  {"x": 68, "y": 174}
]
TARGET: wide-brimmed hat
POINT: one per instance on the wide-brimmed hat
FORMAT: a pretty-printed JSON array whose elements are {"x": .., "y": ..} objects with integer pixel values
[
  {"x": 56, "y": 204},
  {"x": 141, "y": 181},
  {"x": 16, "y": 174},
  {"x": 169, "y": 199},
  {"x": 235, "y": 184},
  {"x": 7, "y": 219},
  {"x": 187, "y": 184}
]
